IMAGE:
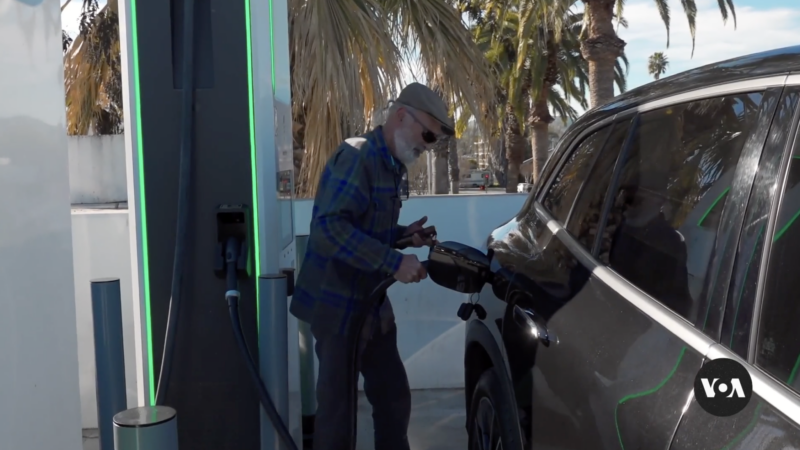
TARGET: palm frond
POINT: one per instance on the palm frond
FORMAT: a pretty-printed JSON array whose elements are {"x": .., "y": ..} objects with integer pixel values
[
  {"x": 452, "y": 61},
  {"x": 349, "y": 66},
  {"x": 92, "y": 73}
]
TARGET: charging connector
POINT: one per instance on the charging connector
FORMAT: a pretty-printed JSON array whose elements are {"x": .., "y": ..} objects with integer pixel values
[{"x": 233, "y": 222}]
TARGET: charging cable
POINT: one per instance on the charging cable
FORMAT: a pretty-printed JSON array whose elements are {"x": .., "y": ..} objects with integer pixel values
[{"x": 232, "y": 296}]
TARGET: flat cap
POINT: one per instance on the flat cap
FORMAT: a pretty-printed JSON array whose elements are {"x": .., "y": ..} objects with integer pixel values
[{"x": 422, "y": 98}]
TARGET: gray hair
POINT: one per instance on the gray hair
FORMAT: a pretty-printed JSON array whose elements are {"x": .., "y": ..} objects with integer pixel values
[{"x": 392, "y": 109}]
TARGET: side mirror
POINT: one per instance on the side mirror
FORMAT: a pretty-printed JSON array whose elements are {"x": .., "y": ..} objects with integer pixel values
[
  {"x": 402, "y": 190},
  {"x": 458, "y": 267}
]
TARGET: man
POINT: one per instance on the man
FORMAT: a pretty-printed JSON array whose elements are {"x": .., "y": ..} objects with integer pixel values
[{"x": 350, "y": 251}]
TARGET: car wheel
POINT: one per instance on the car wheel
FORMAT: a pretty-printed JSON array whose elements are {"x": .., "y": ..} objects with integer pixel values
[{"x": 492, "y": 424}]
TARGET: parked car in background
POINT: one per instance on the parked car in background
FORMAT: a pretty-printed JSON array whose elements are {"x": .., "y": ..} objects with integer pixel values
[
  {"x": 475, "y": 179},
  {"x": 659, "y": 237}
]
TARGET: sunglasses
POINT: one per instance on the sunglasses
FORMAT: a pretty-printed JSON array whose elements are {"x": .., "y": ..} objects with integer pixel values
[{"x": 427, "y": 135}]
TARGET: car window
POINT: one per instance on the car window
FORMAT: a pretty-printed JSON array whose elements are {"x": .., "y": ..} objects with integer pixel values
[
  {"x": 670, "y": 193},
  {"x": 743, "y": 288},
  {"x": 585, "y": 218},
  {"x": 778, "y": 342},
  {"x": 564, "y": 189}
]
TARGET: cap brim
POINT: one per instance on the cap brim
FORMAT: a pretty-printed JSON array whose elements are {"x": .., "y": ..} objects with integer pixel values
[{"x": 447, "y": 130}]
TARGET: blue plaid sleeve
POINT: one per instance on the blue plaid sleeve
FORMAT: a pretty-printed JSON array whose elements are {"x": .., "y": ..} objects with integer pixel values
[
  {"x": 399, "y": 231},
  {"x": 344, "y": 198}
]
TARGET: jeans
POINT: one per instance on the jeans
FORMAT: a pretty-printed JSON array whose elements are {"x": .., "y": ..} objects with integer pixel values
[{"x": 385, "y": 385}]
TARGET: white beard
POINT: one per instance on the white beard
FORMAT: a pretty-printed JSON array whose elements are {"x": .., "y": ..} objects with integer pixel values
[{"x": 405, "y": 151}]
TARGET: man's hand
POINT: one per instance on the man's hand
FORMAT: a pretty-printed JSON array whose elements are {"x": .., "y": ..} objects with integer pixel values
[
  {"x": 417, "y": 240},
  {"x": 416, "y": 226},
  {"x": 411, "y": 270}
]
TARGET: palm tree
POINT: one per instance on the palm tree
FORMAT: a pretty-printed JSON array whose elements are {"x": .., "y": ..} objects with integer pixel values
[
  {"x": 657, "y": 64},
  {"x": 559, "y": 65},
  {"x": 93, "y": 72},
  {"x": 453, "y": 165},
  {"x": 445, "y": 163},
  {"x": 370, "y": 40},
  {"x": 601, "y": 46},
  {"x": 496, "y": 36},
  {"x": 540, "y": 68}
]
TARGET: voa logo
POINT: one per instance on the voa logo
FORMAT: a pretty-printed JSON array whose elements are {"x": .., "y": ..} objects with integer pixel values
[
  {"x": 723, "y": 387},
  {"x": 713, "y": 386}
]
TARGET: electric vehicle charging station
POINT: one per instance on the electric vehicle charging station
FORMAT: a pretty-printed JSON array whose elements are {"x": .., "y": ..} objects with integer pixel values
[{"x": 236, "y": 150}]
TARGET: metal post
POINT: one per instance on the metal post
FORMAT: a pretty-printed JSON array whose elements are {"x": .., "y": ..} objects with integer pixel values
[
  {"x": 273, "y": 353},
  {"x": 109, "y": 356},
  {"x": 146, "y": 428}
]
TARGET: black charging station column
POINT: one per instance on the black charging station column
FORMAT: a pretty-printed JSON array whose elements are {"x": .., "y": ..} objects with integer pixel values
[{"x": 210, "y": 388}]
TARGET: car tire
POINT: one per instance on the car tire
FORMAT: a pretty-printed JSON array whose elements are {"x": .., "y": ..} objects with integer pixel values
[{"x": 492, "y": 417}]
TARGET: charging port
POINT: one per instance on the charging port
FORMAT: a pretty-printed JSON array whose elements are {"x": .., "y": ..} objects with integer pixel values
[{"x": 233, "y": 221}]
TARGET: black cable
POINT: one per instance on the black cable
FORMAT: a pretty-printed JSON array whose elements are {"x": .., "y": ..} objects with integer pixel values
[
  {"x": 232, "y": 297},
  {"x": 263, "y": 394},
  {"x": 377, "y": 294},
  {"x": 184, "y": 187}
]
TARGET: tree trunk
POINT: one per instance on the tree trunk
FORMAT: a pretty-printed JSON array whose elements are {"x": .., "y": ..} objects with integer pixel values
[
  {"x": 441, "y": 182},
  {"x": 540, "y": 142},
  {"x": 498, "y": 163},
  {"x": 601, "y": 49},
  {"x": 453, "y": 163},
  {"x": 515, "y": 147},
  {"x": 540, "y": 118}
]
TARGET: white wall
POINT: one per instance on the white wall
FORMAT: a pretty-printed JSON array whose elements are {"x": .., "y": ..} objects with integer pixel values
[
  {"x": 101, "y": 250},
  {"x": 430, "y": 335},
  {"x": 39, "y": 398},
  {"x": 97, "y": 169}
]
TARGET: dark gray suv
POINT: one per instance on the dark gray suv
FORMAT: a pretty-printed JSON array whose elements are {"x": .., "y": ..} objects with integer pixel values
[{"x": 658, "y": 238}]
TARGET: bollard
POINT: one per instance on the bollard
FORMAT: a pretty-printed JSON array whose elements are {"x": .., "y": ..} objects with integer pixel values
[
  {"x": 146, "y": 428},
  {"x": 273, "y": 353},
  {"x": 109, "y": 356}
]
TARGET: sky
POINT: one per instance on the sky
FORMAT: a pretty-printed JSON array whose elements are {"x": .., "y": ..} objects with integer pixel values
[
  {"x": 761, "y": 25},
  {"x": 70, "y": 16}
]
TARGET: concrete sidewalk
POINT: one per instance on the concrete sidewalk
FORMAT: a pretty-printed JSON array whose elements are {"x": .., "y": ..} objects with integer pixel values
[{"x": 437, "y": 422}]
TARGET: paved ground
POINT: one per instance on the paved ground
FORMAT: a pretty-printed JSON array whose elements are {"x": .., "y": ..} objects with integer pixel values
[{"x": 437, "y": 422}]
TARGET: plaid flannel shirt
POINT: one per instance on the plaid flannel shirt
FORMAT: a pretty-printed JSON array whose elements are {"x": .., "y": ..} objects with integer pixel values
[{"x": 353, "y": 229}]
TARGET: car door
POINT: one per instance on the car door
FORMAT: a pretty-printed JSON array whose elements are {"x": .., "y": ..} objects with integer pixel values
[
  {"x": 537, "y": 266},
  {"x": 762, "y": 311},
  {"x": 618, "y": 351}
]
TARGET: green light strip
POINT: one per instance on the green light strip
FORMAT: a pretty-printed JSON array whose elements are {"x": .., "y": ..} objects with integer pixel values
[
  {"x": 708, "y": 211},
  {"x": 786, "y": 227},
  {"x": 253, "y": 156},
  {"x": 747, "y": 429},
  {"x": 142, "y": 206},
  {"x": 647, "y": 392}
]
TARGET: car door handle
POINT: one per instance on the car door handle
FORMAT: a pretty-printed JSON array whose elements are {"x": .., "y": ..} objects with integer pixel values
[{"x": 528, "y": 320}]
